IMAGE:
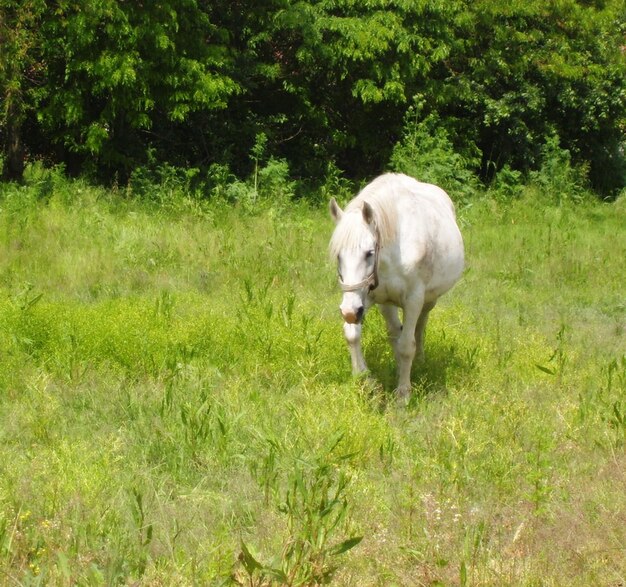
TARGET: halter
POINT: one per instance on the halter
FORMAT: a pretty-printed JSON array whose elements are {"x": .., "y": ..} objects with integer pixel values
[{"x": 371, "y": 281}]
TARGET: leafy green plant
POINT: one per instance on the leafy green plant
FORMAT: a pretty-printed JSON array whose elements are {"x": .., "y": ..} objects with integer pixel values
[
  {"x": 335, "y": 185},
  {"x": 540, "y": 484},
  {"x": 507, "y": 184},
  {"x": 558, "y": 178},
  {"x": 315, "y": 507},
  {"x": 612, "y": 404},
  {"x": 144, "y": 529},
  {"x": 258, "y": 153},
  {"x": 426, "y": 153},
  {"x": 274, "y": 182},
  {"x": 164, "y": 184},
  {"x": 616, "y": 419},
  {"x": 559, "y": 358}
]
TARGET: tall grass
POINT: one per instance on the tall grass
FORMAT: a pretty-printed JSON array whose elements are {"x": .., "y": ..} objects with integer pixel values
[{"x": 176, "y": 405}]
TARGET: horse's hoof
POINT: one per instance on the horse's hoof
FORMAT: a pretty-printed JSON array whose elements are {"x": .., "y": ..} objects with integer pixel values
[
  {"x": 403, "y": 395},
  {"x": 361, "y": 375}
]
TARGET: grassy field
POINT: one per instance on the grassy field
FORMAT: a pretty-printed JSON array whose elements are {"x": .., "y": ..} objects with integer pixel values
[{"x": 176, "y": 404}]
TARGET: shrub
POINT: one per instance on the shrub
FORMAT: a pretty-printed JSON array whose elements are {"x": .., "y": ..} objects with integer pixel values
[
  {"x": 557, "y": 177},
  {"x": 334, "y": 179},
  {"x": 164, "y": 183},
  {"x": 426, "y": 153},
  {"x": 274, "y": 182},
  {"x": 507, "y": 184}
]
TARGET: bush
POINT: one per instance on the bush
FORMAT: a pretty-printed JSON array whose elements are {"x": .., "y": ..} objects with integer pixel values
[
  {"x": 426, "y": 153},
  {"x": 274, "y": 182},
  {"x": 270, "y": 184},
  {"x": 507, "y": 184},
  {"x": 164, "y": 183},
  {"x": 557, "y": 177},
  {"x": 335, "y": 185}
]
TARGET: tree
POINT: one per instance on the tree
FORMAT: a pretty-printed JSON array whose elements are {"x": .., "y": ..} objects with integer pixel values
[
  {"x": 332, "y": 79},
  {"x": 106, "y": 85},
  {"x": 526, "y": 70},
  {"x": 21, "y": 73},
  {"x": 127, "y": 72}
]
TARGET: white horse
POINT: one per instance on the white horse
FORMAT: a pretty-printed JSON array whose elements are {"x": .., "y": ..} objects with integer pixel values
[{"x": 397, "y": 244}]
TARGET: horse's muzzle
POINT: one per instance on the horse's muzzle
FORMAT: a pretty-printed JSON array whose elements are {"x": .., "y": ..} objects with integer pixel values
[{"x": 352, "y": 317}]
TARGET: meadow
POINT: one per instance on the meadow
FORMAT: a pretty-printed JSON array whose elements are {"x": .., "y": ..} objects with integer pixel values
[{"x": 177, "y": 408}]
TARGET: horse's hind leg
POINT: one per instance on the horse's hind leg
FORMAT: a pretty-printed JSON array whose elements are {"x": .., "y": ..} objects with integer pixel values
[
  {"x": 406, "y": 345},
  {"x": 420, "y": 328},
  {"x": 394, "y": 326}
]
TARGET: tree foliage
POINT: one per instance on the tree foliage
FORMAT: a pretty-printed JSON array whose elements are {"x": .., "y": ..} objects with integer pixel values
[
  {"x": 106, "y": 86},
  {"x": 20, "y": 74},
  {"x": 534, "y": 69}
]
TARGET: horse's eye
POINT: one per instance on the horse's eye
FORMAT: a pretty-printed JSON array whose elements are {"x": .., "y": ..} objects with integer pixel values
[{"x": 369, "y": 254}]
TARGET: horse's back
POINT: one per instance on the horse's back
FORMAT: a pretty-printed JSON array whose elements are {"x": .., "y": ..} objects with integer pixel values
[
  {"x": 400, "y": 188},
  {"x": 429, "y": 241}
]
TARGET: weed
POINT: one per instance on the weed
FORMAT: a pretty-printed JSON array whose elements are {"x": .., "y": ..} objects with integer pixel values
[
  {"x": 144, "y": 529},
  {"x": 314, "y": 506}
]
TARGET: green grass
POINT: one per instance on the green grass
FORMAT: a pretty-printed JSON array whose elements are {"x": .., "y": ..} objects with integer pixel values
[{"x": 176, "y": 405}]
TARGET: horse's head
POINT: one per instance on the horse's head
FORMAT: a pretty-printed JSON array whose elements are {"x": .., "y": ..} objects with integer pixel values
[{"x": 355, "y": 246}]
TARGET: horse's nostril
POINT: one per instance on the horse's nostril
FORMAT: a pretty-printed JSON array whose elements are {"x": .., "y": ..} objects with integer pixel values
[{"x": 359, "y": 313}]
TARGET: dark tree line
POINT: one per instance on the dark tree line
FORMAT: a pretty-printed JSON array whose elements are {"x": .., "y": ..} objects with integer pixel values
[{"x": 104, "y": 86}]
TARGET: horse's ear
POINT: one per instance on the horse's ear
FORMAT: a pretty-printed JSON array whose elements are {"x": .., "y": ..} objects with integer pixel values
[
  {"x": 368, "y": 213},
  {"x": 335, "y": 211}
]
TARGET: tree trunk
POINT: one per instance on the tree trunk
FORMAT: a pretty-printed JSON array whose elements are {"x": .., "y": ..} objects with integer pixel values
[{"x": 13, "y": 168}]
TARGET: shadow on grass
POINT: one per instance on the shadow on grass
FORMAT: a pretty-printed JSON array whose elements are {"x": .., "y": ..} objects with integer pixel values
[{"x": 446, "y": 365}]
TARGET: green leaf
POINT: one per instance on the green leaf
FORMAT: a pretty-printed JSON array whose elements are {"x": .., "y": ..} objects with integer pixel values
[
  {"x": 277, "y": 574},
  {"x": 249, "y": 562},
  {"x": 345, "y": 546},
  {"x": 545, "y": 369}
]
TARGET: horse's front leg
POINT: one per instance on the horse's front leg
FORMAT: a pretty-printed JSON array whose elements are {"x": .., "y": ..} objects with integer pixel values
[
  {"x": 352, "y": 332},
  {"x": 406, "y": 345}
]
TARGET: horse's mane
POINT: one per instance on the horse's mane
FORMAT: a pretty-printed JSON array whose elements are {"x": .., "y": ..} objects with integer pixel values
[{"x": 350, "y": 229}]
